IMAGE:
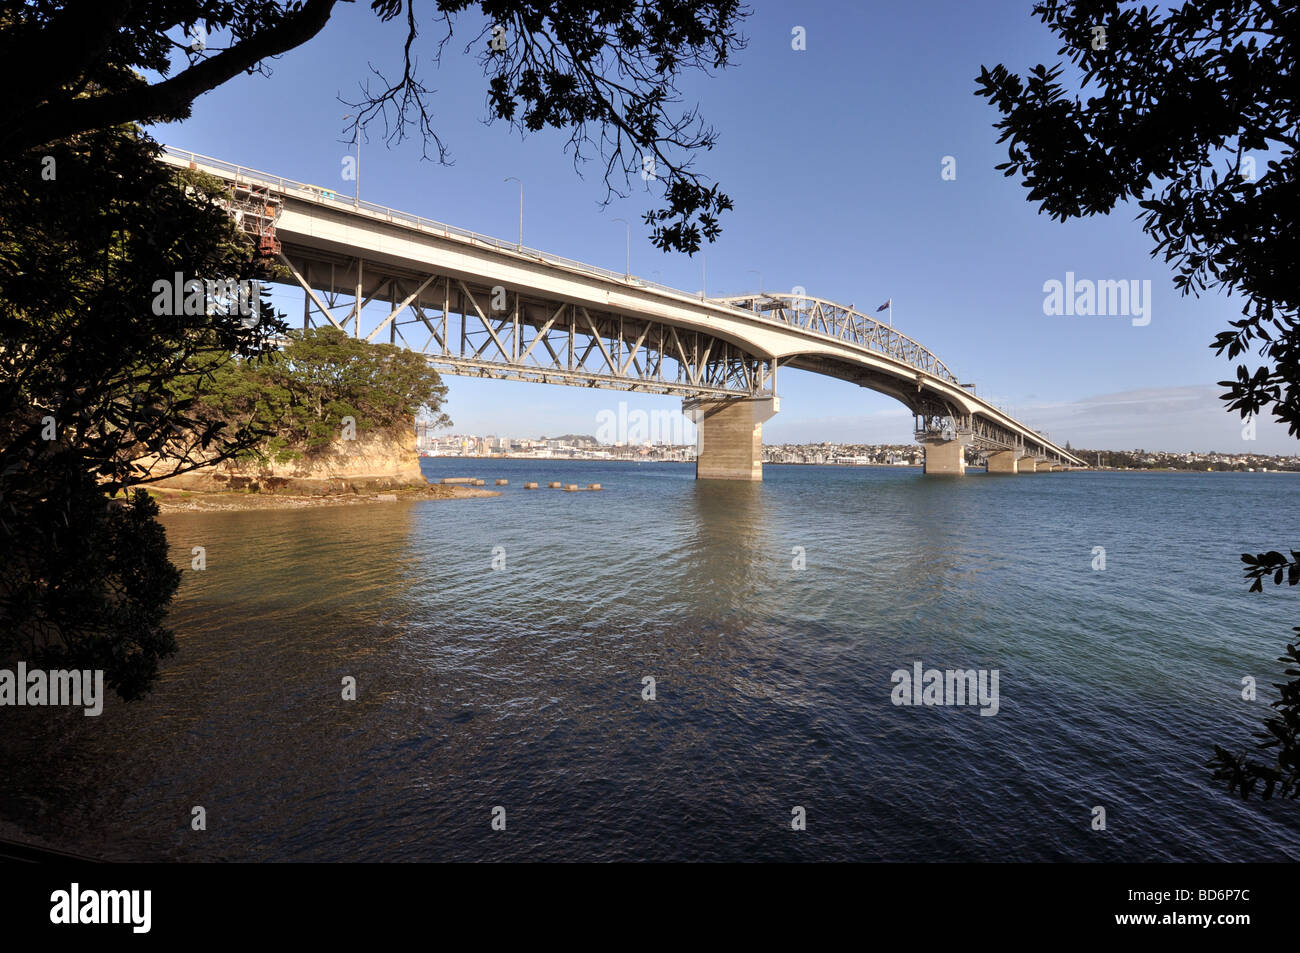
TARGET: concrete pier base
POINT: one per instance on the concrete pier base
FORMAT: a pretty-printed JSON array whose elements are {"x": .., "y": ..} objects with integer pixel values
[
  {"x": 1027, "y": 465},
  {"x": 730, "y": 441},
  {"x": 945, "y": 457},
  {"x": 1003, "y": 461}
]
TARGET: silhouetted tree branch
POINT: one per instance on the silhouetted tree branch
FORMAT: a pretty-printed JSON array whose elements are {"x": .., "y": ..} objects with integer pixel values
[
  {"x": 1178, "y": 104},
  {"x": 605, "y": 70}
]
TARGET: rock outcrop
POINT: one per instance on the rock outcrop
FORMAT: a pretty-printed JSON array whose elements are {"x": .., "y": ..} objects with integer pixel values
[{"x": 384, "y": 460}]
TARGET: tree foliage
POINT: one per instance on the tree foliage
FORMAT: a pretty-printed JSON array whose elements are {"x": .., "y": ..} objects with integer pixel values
[
  {"x": 299, "y": 397},
  {"x": 87, "y": 357},
  {"x": 94, "y": 593},
  {"x": 1281, "y": 731},
  {"x": 89, "y": 379},
  {"x": 1180, "y": 105},
  {"x": 605, "y": 71}
]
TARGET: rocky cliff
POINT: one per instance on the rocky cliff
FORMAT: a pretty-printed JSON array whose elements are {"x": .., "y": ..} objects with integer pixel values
[{"x": 383, "y": 460}]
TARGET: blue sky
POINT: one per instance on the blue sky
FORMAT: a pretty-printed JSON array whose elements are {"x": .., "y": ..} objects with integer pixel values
[{"x": 833, "y": 157}]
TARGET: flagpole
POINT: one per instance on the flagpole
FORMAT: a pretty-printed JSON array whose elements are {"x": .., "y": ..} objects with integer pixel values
[{"x": 891, "y": 311}]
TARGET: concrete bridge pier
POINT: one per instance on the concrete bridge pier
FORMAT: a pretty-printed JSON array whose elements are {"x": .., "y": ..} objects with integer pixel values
[
  {"x": 945, "y": 457},
  {"x": 729, "y": 445},
  {"x": 1003, "y": 461},
  {"x": 1027, "y": 464}
]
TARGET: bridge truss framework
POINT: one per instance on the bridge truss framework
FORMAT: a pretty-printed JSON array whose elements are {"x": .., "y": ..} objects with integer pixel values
[{"x": 480, "y": 331}]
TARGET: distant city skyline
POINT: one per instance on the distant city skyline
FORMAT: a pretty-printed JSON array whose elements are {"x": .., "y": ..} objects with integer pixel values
[
  {"x": 1174, "y": 419},
  {"x": 590, "y": 447}
]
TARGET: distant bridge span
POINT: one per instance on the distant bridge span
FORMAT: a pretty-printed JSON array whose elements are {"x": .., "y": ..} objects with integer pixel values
[{"x": 484, "y": 307}]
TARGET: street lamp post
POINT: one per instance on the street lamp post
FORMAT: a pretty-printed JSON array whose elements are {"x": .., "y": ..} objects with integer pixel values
[
  {"x": 627, "y": 270},
  {"x": 511, "y": 178}
]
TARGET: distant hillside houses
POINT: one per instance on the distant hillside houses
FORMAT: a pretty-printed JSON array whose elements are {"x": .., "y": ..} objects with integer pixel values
[
  {"x": 567, "y": 446},
  {"x": 1164, "y": 460},
  {"x": 856, "y": 454}
]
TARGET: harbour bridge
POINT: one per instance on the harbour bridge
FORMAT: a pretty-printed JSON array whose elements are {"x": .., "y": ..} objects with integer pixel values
[{"x": 484, "y": 307}]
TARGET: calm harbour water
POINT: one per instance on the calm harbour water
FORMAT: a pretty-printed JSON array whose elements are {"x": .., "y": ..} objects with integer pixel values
[{"x": 521, "y": 687}]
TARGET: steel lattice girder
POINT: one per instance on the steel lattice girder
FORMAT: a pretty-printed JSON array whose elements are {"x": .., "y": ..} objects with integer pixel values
[{"x": 479, "y": 331}]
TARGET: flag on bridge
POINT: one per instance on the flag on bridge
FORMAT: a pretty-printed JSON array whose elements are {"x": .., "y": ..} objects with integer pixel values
[{"x": 885, "y": 306}]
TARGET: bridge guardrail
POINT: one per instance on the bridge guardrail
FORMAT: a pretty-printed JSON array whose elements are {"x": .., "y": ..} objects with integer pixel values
[{"x": 320, "y": 194}]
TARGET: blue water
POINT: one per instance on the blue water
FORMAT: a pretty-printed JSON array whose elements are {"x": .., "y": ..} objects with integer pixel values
[{"x": 521, "y": 687}]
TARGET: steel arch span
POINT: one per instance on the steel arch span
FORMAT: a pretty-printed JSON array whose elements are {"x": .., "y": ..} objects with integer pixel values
[{"x": 899, "y": 366}]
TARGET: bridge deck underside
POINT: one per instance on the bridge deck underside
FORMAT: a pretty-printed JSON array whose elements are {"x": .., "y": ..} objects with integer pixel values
[{"x": 935, "y": 415}]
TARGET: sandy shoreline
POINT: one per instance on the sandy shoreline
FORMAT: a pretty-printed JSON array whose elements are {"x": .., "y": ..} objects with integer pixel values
[{"x": 196, "y": 501}]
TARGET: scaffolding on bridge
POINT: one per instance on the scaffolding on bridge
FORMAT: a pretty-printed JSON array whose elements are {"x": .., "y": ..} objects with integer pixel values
[{"x": 256, "y": 207}]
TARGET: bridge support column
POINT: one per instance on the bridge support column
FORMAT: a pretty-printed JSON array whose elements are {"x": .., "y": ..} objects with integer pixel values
[
  {"x": 1003, "y": 461},
  {"x": 729, "y": 445},
  {"x": 1027, "y": 465},
  {"x": 945, "y": 457}
]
